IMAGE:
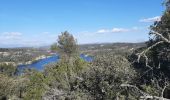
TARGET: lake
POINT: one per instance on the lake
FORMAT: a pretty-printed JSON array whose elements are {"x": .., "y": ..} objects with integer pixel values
[{"x": 40, "y": 64}]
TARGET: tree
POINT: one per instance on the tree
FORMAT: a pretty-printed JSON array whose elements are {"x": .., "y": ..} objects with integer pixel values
[
  {"x": 67, "y": 45},
  {"x": 155, "y": 58},
  {"x": 157, "y": 54},
  {"x": 167, "y": 3}
]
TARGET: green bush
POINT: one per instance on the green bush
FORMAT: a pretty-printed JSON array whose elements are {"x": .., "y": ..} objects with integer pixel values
[
  {"x": 8, "y": 69},
  {"x": 36, "y": 86}
]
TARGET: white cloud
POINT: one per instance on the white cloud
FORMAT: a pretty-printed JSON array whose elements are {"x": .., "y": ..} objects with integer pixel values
[
  {"x": 133, "y": 34},
  {"x": 11, "y": 35},
  {"x": 114, "y": 30},
  {"x": 156, "y": 18},
  {"x": 17, "y": 39},
  {"x": 103, "y": 31},
  {"x": 117, "y": 30}
]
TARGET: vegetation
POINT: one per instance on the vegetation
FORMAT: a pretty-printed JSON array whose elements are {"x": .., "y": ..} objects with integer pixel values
[
  {"x": 154, "y": 60},
  {"x": 67, "y": 45},
  {"x": 8, "y": 69},
  {"x": 133, "y": 72},
  {"x": 21, "y": 55}
]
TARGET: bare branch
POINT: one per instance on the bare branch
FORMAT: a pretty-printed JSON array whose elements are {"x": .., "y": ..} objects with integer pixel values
[
  {"x": 162, "y": 93},
  {"x": 143, "y": 53},
  {"x": 165, "y": 39},
  {"x": 146, "y": 62},
  {"x": 135, "y": 87},
  {"x": 145, "y": 95},
  {"x": 149, "y": 48},
  {"x": 166, "y": 85}
]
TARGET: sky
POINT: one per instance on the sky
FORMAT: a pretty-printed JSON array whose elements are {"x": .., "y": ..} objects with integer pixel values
[{"x": 39, "y": 22}]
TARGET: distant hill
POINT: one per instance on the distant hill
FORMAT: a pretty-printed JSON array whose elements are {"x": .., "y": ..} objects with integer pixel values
[
  {"x": 110, "y": 45},
  {"x": 83, "y": 46}
]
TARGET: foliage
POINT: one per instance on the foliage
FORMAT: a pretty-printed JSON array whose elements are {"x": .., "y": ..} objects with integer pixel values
[
  {"x": 63, "y": 77},
  {"x": 8, "y": 69},
  {"x": 159, "y": 56},
  {"x": 5, "y": 86},
  {"x": 53, "y": 47},
  {"x": 36, "y": 86},
  {"x": 66, "y": 44},
  {"x": 153, "y": 66},
  {"x": 63, "y": 72},
  {"x": 100, "y": 80},
  {"x": 12, "y": 88},
  {"x": 108, "y": 77},
  {"x": 105, "y": 75}
]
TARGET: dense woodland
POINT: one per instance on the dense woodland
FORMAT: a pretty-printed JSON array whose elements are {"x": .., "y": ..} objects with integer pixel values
[{"x": 116, "y": 73}]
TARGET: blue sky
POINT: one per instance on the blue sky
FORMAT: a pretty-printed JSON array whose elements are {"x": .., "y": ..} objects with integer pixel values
[{"x": 39, "y": 22}]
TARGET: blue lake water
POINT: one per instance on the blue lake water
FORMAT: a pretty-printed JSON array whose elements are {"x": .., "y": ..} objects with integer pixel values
[{"x": 40, "y": 64}]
